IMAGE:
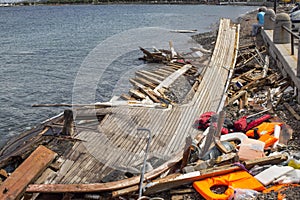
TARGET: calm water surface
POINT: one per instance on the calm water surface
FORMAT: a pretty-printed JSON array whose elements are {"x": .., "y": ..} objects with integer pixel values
[{"x": 42, "y": 48}]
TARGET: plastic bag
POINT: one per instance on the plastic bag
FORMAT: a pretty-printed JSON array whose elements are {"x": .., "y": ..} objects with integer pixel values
[{"x": 243, "y": 194}]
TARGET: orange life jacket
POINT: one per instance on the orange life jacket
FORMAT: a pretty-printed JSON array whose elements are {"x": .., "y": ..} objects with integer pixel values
[
  {"x": 264, "y": 128},
  {"x": 239, "y": 179},
  {"x": 269, "y": 140}
]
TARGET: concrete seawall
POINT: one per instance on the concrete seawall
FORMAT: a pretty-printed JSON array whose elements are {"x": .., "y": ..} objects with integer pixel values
[{"x": 281, "y": 53}]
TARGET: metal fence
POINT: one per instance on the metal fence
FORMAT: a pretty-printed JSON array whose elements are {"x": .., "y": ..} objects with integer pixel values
[{"x": 293, "y": 37}]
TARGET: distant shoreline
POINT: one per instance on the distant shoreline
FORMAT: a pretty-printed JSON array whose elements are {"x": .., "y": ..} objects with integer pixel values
[
  {"x": 95, "y": 2},
  {"x": 51, "y": 3}
]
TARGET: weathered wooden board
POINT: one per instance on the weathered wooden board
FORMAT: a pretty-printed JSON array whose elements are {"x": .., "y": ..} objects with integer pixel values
[
  {"x": 146, "y": 90},
  {"x": 147, "y": 77},
  {"x": 57, "y": 188},
  {"x": 292, "y": 111},
  {"x": 170, "y": 79},
  {"x": 14, "y": 186},
  {"x": 143, "y": 82},
  {"x": 137, "y": 93}
]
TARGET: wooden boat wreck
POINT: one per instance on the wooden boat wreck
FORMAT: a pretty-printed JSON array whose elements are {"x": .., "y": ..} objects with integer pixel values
[{"x": 107, "y": 149}]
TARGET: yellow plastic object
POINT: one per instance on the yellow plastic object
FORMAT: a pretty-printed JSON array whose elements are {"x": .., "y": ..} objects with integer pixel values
[
  {"x": 263, "y": 128},
  {"x": 239, "y": 179},
  {"x": 294, "y": 164}
]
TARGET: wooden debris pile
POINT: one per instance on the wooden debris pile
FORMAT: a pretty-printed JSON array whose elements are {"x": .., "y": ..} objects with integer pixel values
[
  {"x": 256, "y": 82},
  {"x": 161, "y": 55},
  {"x": 153, "y": 85}
]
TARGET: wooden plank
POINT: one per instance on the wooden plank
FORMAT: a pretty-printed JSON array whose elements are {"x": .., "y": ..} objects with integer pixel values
[
  {"x": 182, "y": 191},
  {"x": 292, "y": 111},
  {"x": 14, "y": 186},
  {"x": 137, "y": 93},
  {"x": 148, "y": 91},
  {"x": 241, "y": 75},
  {"x": 236, "y": 96},
  {"x": 75, "y": 168},
  {"x": 127, "y": 97},
  {"x": 96, "y": 174},
  {"x": 177, "y": 179},
  {"x": 268, "y": 160},
  {"x": 161, "y": 73},
  {"x": 167, "y": 134},
  {"x": 211, "y": 85},
  {"x": 156, "y": 119},
  {"x": 120, "y": 138},
  {"x": 170, "y": 79},
  {"x": 147, "y": 77},
  {"x": 158, "y": 77},
  {"x": 169, "y": 69},
  {"x": 175, "y": 66},
  {"x": 143, "y": 82},
  {"x": 166, "y": 71},
  {"x": 97, "y": 187}
]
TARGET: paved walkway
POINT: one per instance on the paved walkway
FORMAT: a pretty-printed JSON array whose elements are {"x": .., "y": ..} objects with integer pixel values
[{"x": 286, "y": 62}]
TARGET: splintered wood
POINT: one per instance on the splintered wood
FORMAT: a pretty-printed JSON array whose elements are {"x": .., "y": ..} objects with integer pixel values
[
  {"x": 255, "y": 82},
  {"x": 14, "y": 186},
  {"x": 153, "y": 85}
]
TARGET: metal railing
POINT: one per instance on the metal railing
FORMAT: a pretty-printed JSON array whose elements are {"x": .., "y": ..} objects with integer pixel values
[{"x": 293, "y": 36}]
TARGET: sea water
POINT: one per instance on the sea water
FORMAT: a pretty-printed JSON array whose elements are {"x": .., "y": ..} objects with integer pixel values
[{"x": 42, "y": 49}]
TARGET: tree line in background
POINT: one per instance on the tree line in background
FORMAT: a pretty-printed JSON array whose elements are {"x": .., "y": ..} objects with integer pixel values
[{"x": 57, "y": 2}]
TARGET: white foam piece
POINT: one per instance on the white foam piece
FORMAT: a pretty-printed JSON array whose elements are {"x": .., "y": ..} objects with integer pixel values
[
  {"x": 234, "y": 136},
  {"x": 269, "y": 175}
]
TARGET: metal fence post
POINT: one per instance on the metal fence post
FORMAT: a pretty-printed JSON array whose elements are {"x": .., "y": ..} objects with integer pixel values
[{"x": 145, "y": 159}]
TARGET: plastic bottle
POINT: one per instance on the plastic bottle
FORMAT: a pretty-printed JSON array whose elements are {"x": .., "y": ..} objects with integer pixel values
[{"x": 294, "y": 163}]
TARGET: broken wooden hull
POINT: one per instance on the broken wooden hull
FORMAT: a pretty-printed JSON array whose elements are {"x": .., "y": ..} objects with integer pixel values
[{"x": 100, "y": 148}]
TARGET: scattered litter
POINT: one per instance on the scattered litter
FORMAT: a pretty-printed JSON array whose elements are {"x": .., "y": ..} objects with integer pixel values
[{"x": 251, "y": 149}]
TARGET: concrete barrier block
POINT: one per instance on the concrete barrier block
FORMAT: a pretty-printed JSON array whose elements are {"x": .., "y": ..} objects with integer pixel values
[
  {"x": 281, "y": 36},
  {"x": 269, "y": 19}
]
